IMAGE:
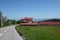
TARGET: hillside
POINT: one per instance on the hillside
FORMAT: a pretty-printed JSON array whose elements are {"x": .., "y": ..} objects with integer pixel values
[{"x": 53, "y": 20}]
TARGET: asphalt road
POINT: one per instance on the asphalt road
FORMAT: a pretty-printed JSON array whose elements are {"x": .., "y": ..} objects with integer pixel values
[{"x": 9, "y": 33}]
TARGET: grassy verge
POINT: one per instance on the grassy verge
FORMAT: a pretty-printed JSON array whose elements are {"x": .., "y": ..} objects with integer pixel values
[{"x": 40, "y": 32}]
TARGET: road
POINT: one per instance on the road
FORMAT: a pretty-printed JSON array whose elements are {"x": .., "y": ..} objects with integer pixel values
[{"x": 9, "y": 33}]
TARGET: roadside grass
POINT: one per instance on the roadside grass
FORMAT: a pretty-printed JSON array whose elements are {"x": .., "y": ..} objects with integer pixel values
[{"x": 39, "y": 32}]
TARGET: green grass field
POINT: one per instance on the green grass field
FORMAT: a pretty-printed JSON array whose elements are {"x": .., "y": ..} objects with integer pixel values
[{"x": 40, "y": 32}]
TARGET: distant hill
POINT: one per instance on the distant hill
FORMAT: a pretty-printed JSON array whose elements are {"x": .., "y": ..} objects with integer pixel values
[
  {"x": 38, "y": 20},
  {"x": 53, "y": 20}
]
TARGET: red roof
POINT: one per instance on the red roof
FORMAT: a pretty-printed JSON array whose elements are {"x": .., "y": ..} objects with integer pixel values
[
  {"x": 26, "y": 18},
  {"x": 50, "y": 23}
]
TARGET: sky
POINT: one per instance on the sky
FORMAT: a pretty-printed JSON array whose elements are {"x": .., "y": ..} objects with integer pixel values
[{"x": 17, "y": 9}]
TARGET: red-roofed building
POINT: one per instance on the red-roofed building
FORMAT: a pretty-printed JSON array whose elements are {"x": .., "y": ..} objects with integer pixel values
[
  {"x": 28, "y": 21},
  {"x": 49, "y": 23}
]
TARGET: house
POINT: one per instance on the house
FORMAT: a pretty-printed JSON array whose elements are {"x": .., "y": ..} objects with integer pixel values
[{"x": 27, "y": 21}]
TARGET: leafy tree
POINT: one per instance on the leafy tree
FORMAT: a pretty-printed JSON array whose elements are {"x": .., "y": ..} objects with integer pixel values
[{"x": 1, "y": 19}]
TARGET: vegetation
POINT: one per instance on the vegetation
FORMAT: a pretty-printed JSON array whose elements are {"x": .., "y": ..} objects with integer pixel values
[
  {"x": 5, "y": 22},
  {"x": 39, "y": 32},
  {"x": 18, "y": 22}
]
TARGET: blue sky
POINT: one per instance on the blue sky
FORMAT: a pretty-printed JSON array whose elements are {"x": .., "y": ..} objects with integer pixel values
[{"x": 16, "y": 9}]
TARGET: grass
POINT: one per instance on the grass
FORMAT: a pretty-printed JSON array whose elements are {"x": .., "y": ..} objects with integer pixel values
[{"x": 40, "y": 32}]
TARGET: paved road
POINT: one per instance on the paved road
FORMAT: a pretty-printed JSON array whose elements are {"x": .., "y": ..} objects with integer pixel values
[{"x": 9, "y": 33}]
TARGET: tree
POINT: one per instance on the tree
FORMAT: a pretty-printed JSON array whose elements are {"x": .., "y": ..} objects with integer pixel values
[
  {"x": 0, "y": 18},
  {"x": 18, "y": 22},
  {"x": 13, "y": 21},
  {"x": 1, "y": 22}
]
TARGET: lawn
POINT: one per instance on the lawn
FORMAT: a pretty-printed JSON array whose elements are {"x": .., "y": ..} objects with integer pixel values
[{"x": 40, "y": 32}]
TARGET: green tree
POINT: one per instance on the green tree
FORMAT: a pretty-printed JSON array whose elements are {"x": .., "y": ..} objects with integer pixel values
[
  {"x": 14, "y": 21},
  {"x": 1, "y": 19}
]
